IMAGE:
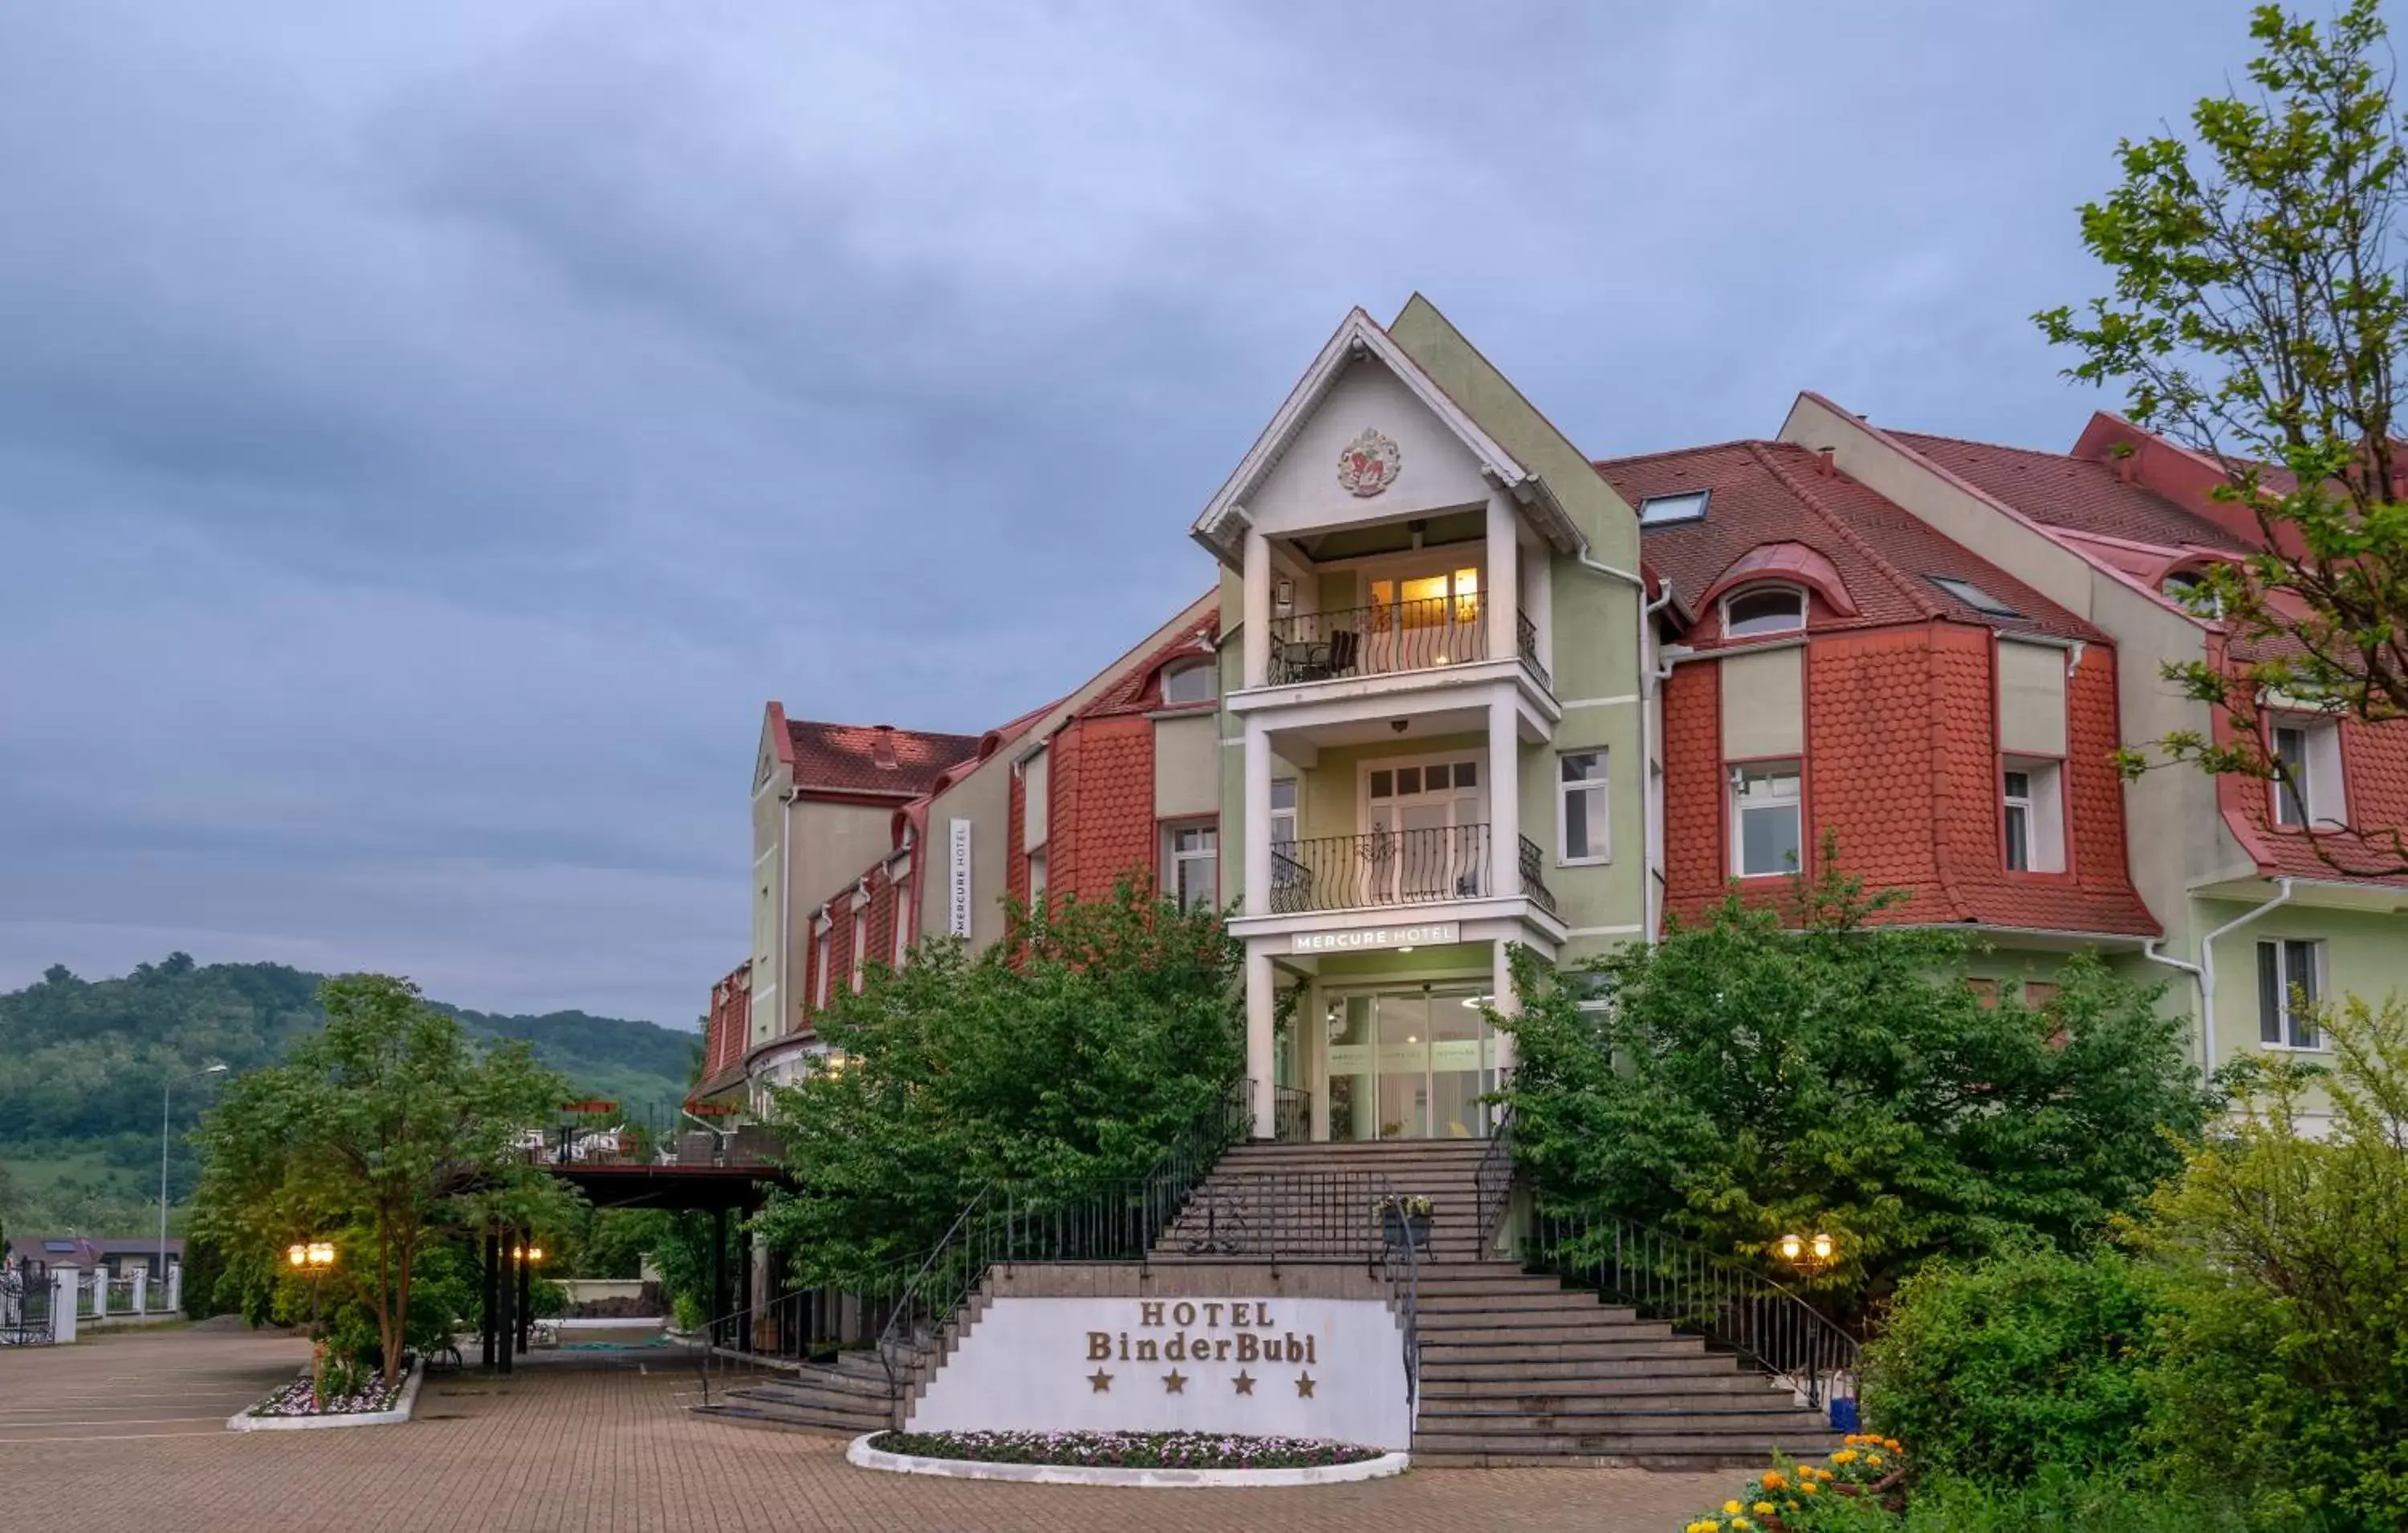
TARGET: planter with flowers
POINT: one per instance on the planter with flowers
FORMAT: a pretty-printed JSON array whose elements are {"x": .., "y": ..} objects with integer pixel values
[
  {"x": 1404, "y": 1219},
  {"x": 1787, "y": 1498}
]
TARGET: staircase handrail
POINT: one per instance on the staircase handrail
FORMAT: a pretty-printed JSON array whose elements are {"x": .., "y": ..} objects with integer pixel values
[
  {"x": 1410, "y": 1299},
  {"x": 1667, "y": 1277},
  {"x": 714, "y": 1359},
  {"x": 1008, "y": 1221},
  {"x": 1492, "y": 1184}
]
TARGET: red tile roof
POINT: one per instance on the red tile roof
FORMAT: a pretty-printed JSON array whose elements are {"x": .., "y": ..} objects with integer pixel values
[
  {"x": 873, "y": 758},
  {"x": 1139, "y": 689},
  {"x": 2079, "y": 494},
  {"x": 1765, "y": 493}
]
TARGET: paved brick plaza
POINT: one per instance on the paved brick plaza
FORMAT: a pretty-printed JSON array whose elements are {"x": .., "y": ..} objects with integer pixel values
[{"x": 123, "y": 1429}]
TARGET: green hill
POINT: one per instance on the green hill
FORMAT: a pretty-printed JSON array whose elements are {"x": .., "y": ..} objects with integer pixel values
[{"x": 82, "y": 1061}]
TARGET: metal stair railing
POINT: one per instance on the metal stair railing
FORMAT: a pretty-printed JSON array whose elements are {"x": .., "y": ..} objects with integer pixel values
[
  {"x": 1666, "y": 1278},
  {"x": 807, "y": 1326},
  {"x": 1492, "y": 1184},
  {"x": 1114, "y": 1219}
]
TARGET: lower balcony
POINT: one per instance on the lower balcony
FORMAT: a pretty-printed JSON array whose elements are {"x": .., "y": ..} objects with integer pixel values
[{"x": 1399, "y": 867}]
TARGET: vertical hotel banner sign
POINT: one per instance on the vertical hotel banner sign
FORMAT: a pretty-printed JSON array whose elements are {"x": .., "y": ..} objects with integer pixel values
[{"x": 958, "y": 888}]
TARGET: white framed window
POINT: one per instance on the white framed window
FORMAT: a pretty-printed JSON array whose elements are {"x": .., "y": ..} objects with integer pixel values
[
  {"x": 1688, "y": 505},
  {"x": 822, "y": 957},
  {"x": 860, "y": 946},
  {"x": 2290, "y": 978},
  {"x": 902, "y": 927},
  {"x": 2190, "y": 590},
  {"x": 2309, "y": 792},
  {"x": 1036, "y": 878},
  {"x": 1192, "y": 861},
  {"x": 2032, "y": 823},
  {"x": 1974, "y": 596},
  {"x": 1583, "y": 833},
  {"x": 1283, "y": 812},
  {"x": 1768, "y": 829},
  {"x": 1764, "y": 609},
  {"x": 1189, "y": 681}
]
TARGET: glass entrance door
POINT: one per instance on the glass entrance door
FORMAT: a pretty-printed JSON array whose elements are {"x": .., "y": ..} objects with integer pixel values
[{"x": 1410, "y": 1065}]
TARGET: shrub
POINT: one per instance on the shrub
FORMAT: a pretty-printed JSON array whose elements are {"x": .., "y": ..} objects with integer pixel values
[
  {"x": 2027, "y": 1360},
  {"x": 2283, "y": 1368}
]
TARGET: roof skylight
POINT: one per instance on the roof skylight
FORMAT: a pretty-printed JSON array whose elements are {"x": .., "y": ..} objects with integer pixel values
[
  {"x": 1688, "y": 505},
  {"x": 1974, "y": 596}
]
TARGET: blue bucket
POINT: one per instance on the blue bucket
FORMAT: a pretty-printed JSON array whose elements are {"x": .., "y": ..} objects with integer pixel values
[{"x": 1843, "y": 1415}]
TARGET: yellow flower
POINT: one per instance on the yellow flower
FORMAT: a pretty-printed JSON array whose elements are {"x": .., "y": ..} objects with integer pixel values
[
  {"x": 1762, "y": 1509},
  {"x": 1773, "y": 1480},
  {"x": 1874, "y": 1459},
  {"x": 1740, "y": 1525},
  {"x": 1892, "y": 1444},
  {"x": 1845, "y": 1455},
  {"x": 1810, "y": 1489},
  {"x": 1730, "y": 1509},
  {"x": 1704, "y": 1524}
]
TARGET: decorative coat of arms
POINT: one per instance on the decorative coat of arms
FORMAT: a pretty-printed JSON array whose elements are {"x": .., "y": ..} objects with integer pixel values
[{"x": 1368, "y": 464}]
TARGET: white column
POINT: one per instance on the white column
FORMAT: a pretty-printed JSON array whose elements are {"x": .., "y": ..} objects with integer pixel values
[
  {"x": 142, "y": 1294},
  {"x": 100, "y": 1292},
  {"x": 1539, "y": 573},
  {"x": 1504, "y": 584},
  {"x": 1258, "y": 810},
  {"x": 175, "y": 1287},
  {"x": 1261, "y": 1000},
  {"x": 1258, "y": 608},
  {"x": 1504, "y": 794},
  {"x": 1507, "y": 1002},
  {"x": 66, "y": 1284},
  {"x": 1313, "y": 1058}
]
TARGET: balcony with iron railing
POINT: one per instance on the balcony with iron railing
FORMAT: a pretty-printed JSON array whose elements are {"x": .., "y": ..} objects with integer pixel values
[
  {"x": 1396, "y": 867},
  {"x": 1390, "y": 638}
]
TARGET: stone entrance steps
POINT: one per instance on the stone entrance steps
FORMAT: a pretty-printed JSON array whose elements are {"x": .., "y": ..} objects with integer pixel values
[
  {"x": 1516, "y": 1369},
  {"x": 844, "y": 1398}
]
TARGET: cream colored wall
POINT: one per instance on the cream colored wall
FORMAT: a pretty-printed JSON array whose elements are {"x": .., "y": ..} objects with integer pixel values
[
  {"x": 983, "y": 798},
  {"x": 2031, "y": 698},
  {"x": 1435, "y": 470},
  {"x": 1186, "y": 766},
  {"x": 1328, "y": 796},
  {"x": 1764, "y": 704}
]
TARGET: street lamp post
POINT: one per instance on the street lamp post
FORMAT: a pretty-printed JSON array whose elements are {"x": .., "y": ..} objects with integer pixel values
[
  {"x": 313, "y": 1259},
  {"x": 166, "y": 1087}
]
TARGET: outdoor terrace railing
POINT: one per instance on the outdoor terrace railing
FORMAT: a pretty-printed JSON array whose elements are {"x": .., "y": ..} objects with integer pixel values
[
  {"x": 650, "y": 1138},
  {"x": 1291, "y": 1114},
  {"x": 1384, "y": 867},
  {"x": 1526, "y": 641},
  {"x": 1731, "y": 1305},
  {"x": 1381, "y": 640},
  {"x": 1534, "y": 883}
]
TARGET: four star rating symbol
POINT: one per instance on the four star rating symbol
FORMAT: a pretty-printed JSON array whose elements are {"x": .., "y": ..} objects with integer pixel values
[{"x": 1175, "y": 1383}]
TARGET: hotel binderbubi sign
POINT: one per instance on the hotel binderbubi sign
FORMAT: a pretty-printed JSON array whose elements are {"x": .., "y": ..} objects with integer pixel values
[{"x": 1202, "y": 1332}]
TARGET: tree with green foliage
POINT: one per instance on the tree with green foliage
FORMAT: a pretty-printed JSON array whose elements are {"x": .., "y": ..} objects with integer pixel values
[
  {"x": 1744, "y": 1080},
  {"x": 1075, "y": 1049},
  {"x": 2257, "y": 317},
  {"x": 378, "y": 1131},
  {"x": 2283, "y": 1362}
]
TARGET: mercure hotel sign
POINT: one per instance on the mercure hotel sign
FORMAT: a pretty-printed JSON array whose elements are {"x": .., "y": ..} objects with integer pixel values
[{"x": 1429, "y": 934}]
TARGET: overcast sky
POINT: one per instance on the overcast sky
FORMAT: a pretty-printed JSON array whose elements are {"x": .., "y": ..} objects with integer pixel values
[{"x": 429, "y": 433}]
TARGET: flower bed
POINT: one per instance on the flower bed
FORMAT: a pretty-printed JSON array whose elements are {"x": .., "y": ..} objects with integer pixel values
[
  {"x": 1787, "y": 1498},
  {"x": 1125, "y": 1450},
  {"x": 364, "y": 1392}
]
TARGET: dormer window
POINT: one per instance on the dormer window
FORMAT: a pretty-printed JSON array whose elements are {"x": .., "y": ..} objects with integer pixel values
[
  {"x": 2308, "y": 793},
  {"x": 1974, "y": 596},
  {"x": 1764, "y": 609},
  {"x": 1657, "y": 510},
  {"x": 2190, "y": 591},
  {"x": 1189, "y": 681}
]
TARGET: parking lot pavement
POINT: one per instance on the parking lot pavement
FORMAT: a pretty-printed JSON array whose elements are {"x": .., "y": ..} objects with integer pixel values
[{"x": 131, "y": 1426}]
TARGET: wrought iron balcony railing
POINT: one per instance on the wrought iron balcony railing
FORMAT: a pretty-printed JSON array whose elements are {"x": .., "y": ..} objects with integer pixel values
[
  {"x": 1385, "y": 867},
  {"x": 1534, "y": 884},
  {"x": 1379, "y": 640},
  {"x": 1525, "y": 639}
]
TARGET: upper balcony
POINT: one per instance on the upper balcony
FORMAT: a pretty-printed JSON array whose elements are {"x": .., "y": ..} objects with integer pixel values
[
  {"x": 1399, "y": 867},
  {"x": 1390, "y": 637}
]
